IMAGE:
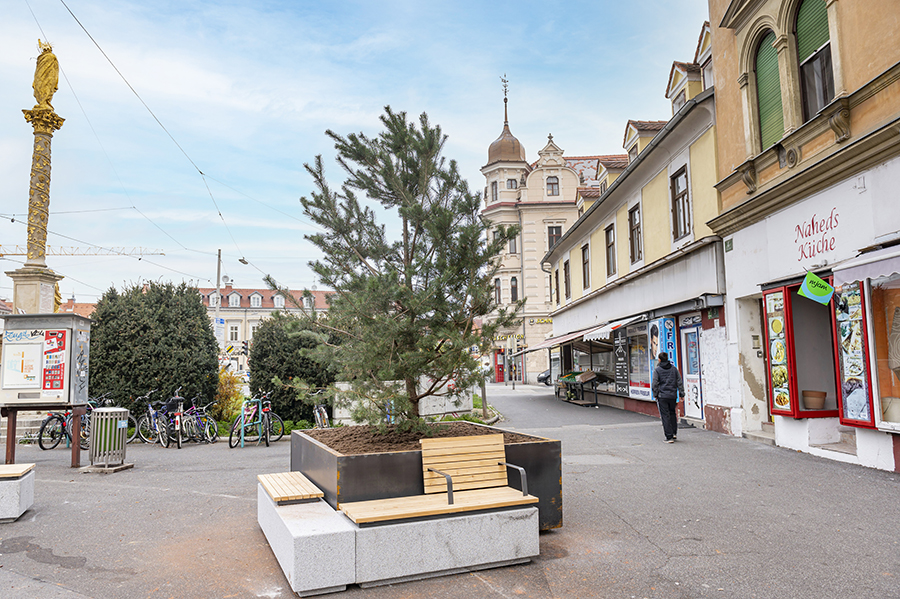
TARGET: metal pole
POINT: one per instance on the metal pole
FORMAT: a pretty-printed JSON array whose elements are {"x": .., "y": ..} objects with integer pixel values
[
  {"x": 484, "y": 410},
  {"x": 218, "y": 284}
]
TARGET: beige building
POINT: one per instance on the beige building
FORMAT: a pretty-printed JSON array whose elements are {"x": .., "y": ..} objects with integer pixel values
[
  {"x": 542, "y": 199},
  {"x": 808, "y": 103},
  {"x": 243, "y": 309}
]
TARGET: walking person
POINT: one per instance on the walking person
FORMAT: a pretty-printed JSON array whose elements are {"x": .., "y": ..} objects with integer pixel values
[{"x": 667, "y": 387}]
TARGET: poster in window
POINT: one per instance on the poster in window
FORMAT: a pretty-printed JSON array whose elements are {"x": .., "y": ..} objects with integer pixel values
[
  {"x": 54, "y": 367},
  {"x": 638, "y": 362},
  {"x": 620, "y": 352},
  {"x": 851, "y": 350},
  {"x": 778, "y": 370}
]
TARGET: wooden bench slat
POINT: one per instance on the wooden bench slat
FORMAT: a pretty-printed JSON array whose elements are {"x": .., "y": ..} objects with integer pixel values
[
  {"x": 15, "y": 470},
  {"x": 418, "y": 506},
  {"x": 289, "y": 486}
]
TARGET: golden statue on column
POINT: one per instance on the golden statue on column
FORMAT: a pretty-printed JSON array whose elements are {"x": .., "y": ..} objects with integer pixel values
[{"x": 33, "y": 291}]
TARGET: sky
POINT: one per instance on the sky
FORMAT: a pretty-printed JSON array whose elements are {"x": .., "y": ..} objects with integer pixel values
[{"x": 243, "y": 91}]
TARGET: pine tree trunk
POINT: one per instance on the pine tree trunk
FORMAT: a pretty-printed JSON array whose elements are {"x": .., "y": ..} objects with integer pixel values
[{"x": 412, "y": 393}]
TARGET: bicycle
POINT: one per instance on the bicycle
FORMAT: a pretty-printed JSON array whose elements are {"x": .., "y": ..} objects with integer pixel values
[
  {"x": 254, "y": 423},
  {"x": 53, "y": 429},
  {"x": 175, "y": 412},
  {"x": 199, "y": 426}
]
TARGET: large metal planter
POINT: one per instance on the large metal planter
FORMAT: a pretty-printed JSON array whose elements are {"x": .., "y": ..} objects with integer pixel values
[{"x": 345, "y": 478}]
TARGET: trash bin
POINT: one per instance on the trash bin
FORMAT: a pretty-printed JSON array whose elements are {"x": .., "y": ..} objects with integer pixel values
[{"x": 109, "y": 436}]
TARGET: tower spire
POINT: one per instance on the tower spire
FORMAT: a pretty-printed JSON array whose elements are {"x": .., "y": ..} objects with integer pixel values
[{"x": 505, "y": 82}]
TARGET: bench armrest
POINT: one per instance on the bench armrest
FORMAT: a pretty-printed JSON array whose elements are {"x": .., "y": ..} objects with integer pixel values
[
  {"x": 521, "y": 475},
  {"x": 449, "y": 484}
]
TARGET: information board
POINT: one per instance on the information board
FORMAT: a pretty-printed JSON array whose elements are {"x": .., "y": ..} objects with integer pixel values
[{"x": 620, "y": 361}]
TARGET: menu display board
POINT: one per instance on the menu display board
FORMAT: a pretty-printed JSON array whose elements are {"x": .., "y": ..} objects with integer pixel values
[
  {"x": 620, "y": 363},
  {"x": 854, "y": 391},
  {"x": 777, "y": 336}
]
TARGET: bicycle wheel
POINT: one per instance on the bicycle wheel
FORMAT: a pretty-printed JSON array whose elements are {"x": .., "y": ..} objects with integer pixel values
[
  {"x": 276, "y": 427},
  {"x": 264, "y": 427},
  {"x": 234, "y": 437},
  {"x": 51, "y": 432},
  {"x": 178, "y": 433},
  {"x": 132, "y": 428},
  {"x": 146, "y": 431},
  {"x": 84, "y": 440},
  {"x": 210, "y": 429},
  {"x": 162, "y": 428}
]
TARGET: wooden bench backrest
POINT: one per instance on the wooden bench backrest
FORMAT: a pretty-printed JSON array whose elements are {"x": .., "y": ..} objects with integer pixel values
[{"x": 472, "y": 462}]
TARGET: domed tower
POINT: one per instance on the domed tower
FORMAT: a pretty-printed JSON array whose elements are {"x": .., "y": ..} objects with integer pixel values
[{"x": 506, "y": 166}]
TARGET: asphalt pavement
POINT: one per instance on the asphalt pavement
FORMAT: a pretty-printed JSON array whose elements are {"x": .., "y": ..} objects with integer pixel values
[{"x": 708, "y": 516}]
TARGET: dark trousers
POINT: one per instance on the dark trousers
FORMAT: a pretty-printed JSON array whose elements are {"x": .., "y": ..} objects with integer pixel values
[{"x": 668, "y": 415}]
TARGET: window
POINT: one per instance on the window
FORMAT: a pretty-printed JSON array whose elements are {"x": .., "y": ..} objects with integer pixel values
[
  {"x": 552, "y": 186},
  {"x": 586, "y": 266},
  {"x": 494, "y": 191},
  {"x": 602, "y": 186},
  {"x": 279, "y": 301},
  {"x": 567, "y": 280},
  {"x": 632, "y": 153},
  {"x": 514, "y": 289},
  {"x": 253, "y": 329},
  {"x": 512, "y": 246},
  {"x": 679, "y": 101},
  {"x": 512, "y": 184},
  {"x": 213, "y": 300},
  {"x": 234, "y": 300},
  {"x": 814, "y": 54},
  {"x": 634, "y": 233},
  {"x": 497, "y": 291},
  {"x": 556, "y": 274},
  {"x": 255, "y": 301},
  {"x": 553, "y": 235},
  {"x": 308, "y": 303},
  {"x": 232, "y": 332},
  {"x": 611, "y": 250},
  {"x": 768, "y": 93},
  {"x": 681, "y": 219},
  {"x": 707, "y": 73}
]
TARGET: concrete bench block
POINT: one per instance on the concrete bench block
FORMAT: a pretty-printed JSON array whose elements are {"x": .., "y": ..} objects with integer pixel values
[
  {"x": 16, "y": 496},
  {"x": 405, "y": 551},
  {"x": 314, "y": 545}
]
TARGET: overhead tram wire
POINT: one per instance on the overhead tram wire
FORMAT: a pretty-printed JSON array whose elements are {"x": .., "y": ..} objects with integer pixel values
[{"x": 134, "y": 91}]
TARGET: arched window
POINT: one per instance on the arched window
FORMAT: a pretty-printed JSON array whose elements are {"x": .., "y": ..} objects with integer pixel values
[
  {"x": 514, "y": 289},
  {"x": 768, "y": 93},
  {"x": 814, "y": 55},
  {"x": 552, "y": 186},
  {"x": 512, "y": 184},
  {"x": 497, "y": 290}
]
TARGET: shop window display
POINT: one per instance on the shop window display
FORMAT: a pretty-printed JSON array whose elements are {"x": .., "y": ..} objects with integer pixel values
[
  {"x": 853, "y": 374},
  {"x": 885, "y": 314}
]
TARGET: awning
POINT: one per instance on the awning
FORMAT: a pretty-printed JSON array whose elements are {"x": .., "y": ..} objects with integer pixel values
[
  {"x": 604, "y": 331},
  {"x": 873, "y": 265},
  {"x": 547, "y": 343}
]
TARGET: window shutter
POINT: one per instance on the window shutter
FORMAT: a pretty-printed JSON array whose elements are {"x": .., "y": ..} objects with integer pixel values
[
  {"x": 812, "y": 28},
  {"x": 768, "y": 93}
]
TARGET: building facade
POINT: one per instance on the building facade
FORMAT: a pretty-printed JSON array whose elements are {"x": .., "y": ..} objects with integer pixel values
[
  {"x": 640, "y": 272},
  {"x": 541, "y": 199},
  {"x": 808, "y": 102},
  {"x": 243, "y": 309}
]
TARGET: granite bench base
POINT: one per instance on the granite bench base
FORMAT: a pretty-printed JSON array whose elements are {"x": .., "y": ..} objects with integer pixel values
[
  {"x": 320, "y": 550},
  {"x": 16, "y": 496}
]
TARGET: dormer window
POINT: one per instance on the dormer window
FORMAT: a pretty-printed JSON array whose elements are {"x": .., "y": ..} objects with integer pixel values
[
  {"x": 632, "y": 153},
  {"x": 308, "y": 303},
  {"x": 255, "y": 301},
  {"x": 279, "y": 301},
  {"x": 679, "y": 101},
  {"x": 213, "y": 300},
  {"x": 234, "y": 300}
]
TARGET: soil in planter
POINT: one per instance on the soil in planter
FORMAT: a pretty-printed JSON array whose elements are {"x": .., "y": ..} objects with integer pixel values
[{"x": 352, "y": 440}]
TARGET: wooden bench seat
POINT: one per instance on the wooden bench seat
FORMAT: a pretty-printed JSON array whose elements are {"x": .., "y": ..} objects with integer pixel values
[
  {"x": 15, "y": 470},
  {"x": 289, "y": 487},
  {"x": 461, "y": 474}
]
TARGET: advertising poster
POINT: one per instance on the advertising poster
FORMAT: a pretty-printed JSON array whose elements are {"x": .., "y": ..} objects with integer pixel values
[
  {"x": 22, "y": 359},
  {"x": 620, "y": 361},
  {"x": 778, "y": 367},
  {"x": 54, "y": 366},
  {"x": 662, "y": 339},
  {"x": 854, "y": 388},
  {"x": 639, "y": 361}
]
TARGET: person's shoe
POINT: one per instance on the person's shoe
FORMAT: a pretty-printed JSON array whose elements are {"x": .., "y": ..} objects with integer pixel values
[
  {"x": 674, "y": 437},
  {"x": 670, "y": 440}
]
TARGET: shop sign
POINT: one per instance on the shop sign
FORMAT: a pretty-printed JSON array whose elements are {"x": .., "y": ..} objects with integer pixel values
[
  {"x": 540, "y": 321},
  {"x": 816, "y": 235},
  {"x": 505, "y": 337},
  {"x": 620, "y": 364},
  {"x": 816, "y": 289}
]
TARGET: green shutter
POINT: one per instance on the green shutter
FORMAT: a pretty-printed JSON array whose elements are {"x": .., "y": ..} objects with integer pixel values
[
  {"x": 812, "y": 28},
  {"x": 768, "y": 93}
]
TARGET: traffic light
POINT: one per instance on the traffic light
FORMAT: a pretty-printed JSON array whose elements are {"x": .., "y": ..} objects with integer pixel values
[{"x": 245, "y": 349}]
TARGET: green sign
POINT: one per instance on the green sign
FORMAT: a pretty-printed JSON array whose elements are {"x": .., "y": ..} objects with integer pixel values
[{"x": 816, "y": 289}]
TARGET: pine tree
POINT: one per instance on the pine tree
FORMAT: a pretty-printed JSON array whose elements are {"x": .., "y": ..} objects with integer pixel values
[{"x": 408, "y": 311}]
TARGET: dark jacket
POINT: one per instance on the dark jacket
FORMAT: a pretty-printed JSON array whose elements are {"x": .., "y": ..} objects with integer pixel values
[{"x": 667, "y": 381}]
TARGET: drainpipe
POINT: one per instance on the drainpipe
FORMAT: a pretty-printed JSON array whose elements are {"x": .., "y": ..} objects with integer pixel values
[{"x": 524, "y": 293}]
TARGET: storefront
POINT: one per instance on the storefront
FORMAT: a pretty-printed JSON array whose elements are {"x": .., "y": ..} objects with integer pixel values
[{"x": 813, "y": 357}]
